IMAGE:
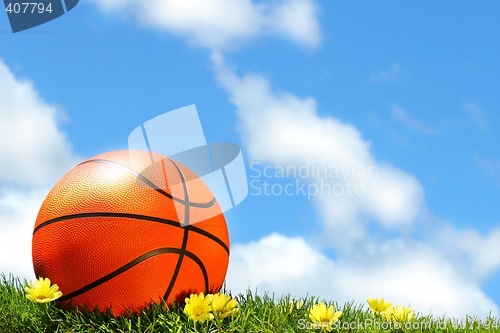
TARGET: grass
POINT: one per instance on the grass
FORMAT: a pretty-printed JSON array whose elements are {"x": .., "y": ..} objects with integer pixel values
[{"x": 256, "y": 314}]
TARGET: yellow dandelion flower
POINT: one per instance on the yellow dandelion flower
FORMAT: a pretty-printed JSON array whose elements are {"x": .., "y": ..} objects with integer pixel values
[
  {"x": 324, "y": 316},
  {"x": 399, "y": 314},
  {"x": 198, "y": 307},
  {"x": 378, "y": 306},
  {"x": 222, "y": 305},
  {"x": 42, "y": 291}
]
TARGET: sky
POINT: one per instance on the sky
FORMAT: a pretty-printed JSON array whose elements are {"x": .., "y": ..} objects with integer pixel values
[{"x": 369, "y": 131}]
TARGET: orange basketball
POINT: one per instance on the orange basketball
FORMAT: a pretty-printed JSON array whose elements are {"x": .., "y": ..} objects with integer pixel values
[{"x": 111, "y": 234}]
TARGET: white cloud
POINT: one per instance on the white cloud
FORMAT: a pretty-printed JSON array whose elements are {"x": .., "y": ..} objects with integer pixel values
[
  {"x": 32, "y": 148},
  {"x": 403, "y": 117},
  {"x": 33, "y": 154},
  {"x": 296, "y": 19},
  {"x": 220, "y": 24},
  {"x": 276, "y": 263},
  {"x": 404, "y": 273},
  {"x": 18, "y": 211},
  {"x": 479, "y": 255},
  {"x": 283, "y": 129}
]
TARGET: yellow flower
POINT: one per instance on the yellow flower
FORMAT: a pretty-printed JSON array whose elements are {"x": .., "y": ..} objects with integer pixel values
[
  {"x": 198, "y": 307},
  {"x": 42, "y": 291},
  {"x": 222, "y": 306},
  {"x": 378, "y": 306},
  {"x": 399, "y": 314},
  {"x": 324, "y": 316}
]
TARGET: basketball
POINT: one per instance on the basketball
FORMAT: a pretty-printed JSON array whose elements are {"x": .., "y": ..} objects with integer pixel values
[{"x": 117, "y": 233}]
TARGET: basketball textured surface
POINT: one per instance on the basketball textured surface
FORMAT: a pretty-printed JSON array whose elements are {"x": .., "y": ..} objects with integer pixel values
[{"x": 115, "y": 232}]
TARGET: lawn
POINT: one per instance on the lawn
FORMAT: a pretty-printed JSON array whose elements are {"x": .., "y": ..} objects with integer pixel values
[{"x": 255, "y": 314}]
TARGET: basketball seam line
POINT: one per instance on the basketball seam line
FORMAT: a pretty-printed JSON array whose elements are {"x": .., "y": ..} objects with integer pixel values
[
  {"x": 151, "y": 184},
  {"x": 185, "y": 238},
  {"x": 133, "y": 263},
  {"x": 133, "y": 216},
  {"x": 178, "y": 267},
  {"x": 208, "y": 235}
]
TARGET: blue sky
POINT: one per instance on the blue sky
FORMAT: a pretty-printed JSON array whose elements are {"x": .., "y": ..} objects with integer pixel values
[{"x": 411, "y": 88}]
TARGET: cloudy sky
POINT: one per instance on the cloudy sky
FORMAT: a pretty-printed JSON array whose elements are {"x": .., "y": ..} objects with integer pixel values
[{"x": 369, "y": 128}]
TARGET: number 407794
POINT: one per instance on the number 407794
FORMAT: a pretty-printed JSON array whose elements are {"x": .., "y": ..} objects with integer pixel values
[{"x": 28, "y": 8}]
